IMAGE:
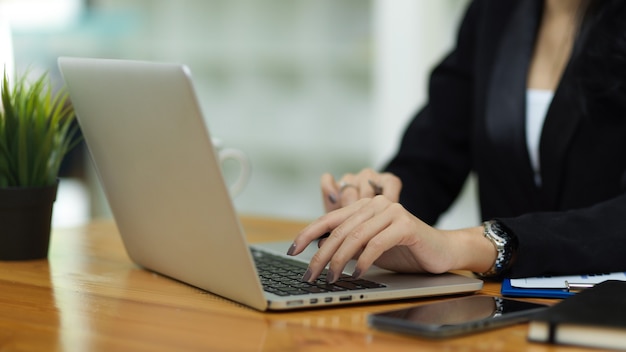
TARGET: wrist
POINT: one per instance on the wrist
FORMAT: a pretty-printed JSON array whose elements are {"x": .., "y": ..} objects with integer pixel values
[
  {"x": 505, "y": 245},
  {"x": 473, "y": 251}
]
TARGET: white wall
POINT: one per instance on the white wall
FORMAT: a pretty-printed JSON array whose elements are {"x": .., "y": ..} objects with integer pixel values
[
  {"x": 302, "y": 86},
  {"x": 6, "y": 48},
  {"x": 410, "y": 37}
]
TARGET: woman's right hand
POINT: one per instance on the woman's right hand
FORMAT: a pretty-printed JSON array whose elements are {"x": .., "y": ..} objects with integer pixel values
[
  {"x": 352, "y": 187},
  {"x": 381, "y": 232}
]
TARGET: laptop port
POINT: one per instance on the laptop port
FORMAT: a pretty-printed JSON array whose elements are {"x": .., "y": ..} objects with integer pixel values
[{"x": 345, "y": 298}]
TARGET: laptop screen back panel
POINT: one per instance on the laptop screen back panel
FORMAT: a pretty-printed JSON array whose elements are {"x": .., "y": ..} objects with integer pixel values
[{"x": 155, "y": 160}]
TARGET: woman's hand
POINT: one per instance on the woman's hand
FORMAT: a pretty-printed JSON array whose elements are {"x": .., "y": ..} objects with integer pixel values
[
  {"x": 352, "y": 187},
  {"x": 381, "y": 232}
]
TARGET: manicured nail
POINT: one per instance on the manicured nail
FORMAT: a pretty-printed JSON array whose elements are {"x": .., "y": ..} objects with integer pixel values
[
  {"x": 292, "y": 249},
  {"x": 331, "y": 277},
  {"x": 307, "y": 275},
  {"x": 332, "y": 198},
  {"x": 356, "y": 274}
]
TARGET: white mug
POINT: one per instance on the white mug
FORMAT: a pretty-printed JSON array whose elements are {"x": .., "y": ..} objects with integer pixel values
[{"x": 239, "y": 157}]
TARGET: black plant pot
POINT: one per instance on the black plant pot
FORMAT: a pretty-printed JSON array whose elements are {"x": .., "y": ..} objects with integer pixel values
[{"x": 25, "y": 219}]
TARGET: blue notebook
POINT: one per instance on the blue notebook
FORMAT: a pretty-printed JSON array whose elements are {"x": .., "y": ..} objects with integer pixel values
[
  {"x": 555, "y": 286},
  {"x": 510, "y": 291}
]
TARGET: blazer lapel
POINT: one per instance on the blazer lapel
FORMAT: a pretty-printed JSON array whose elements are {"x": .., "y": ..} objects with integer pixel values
[
  {"x": 506, "y": 102},
  {"x": 562, "y": 121},
  {"x": 558, "y": 129}
]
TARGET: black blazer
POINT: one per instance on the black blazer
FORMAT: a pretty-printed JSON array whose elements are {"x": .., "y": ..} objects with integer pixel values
[{"x": 475, "y": 122}]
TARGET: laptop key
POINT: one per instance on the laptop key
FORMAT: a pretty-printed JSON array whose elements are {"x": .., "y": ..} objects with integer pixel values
[{"x": 282, "y": 276}]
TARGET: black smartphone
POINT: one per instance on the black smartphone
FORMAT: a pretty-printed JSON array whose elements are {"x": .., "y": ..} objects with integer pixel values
[{"x": 456, "y": 316}]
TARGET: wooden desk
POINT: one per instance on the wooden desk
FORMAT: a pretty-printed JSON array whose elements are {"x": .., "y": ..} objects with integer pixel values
[{"x": 88, "y": 296}]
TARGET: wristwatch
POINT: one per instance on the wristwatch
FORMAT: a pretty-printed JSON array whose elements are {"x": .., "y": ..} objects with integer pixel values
[{"x": 506, "y": 245}]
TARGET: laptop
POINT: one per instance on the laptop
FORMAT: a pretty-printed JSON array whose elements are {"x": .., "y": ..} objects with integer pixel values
[{"x": 160, "y": 174}]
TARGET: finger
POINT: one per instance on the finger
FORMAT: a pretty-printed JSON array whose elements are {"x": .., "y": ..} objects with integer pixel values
[
  {"x": 385, "y": 240},
  {"x": 316, "y": 229},
  {"x": 376, "y": 188},
  {"x": 349, "y": 190},
  {"x": 330, "y": 192},
  {"x": 390, "y": 185},
  {"x": 350, "y": 237},
  {"x": 365, "y": 189},
  {"x": 397, "y": 230},
  {"x": 366, "y": 179},
  {"x": 322, "y": 239},
  {"x": 360, "y": 229},
  {"x": 330, "y": 244},
  {"x": 372, "y": 183},
  {"x": 327, "y": 247}
]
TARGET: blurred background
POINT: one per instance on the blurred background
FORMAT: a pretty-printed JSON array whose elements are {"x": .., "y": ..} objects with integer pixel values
[{"x": 303, "y": 87}]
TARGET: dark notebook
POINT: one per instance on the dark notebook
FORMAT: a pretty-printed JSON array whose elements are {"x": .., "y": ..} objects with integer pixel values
[{"x": 595, "y": 317}]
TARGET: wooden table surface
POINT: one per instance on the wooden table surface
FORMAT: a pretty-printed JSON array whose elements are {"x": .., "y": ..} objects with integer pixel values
[{"x": 88, "y": 296}]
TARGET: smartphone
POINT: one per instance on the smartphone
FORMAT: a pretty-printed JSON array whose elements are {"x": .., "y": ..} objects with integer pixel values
[{"x": 456, "y": 316}]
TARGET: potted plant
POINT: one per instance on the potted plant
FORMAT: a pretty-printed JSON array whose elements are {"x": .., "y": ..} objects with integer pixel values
[{"x": 36, "y": 132}]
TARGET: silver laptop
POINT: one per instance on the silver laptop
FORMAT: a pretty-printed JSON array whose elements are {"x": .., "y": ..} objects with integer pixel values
[{"x": 154, "y": 157}]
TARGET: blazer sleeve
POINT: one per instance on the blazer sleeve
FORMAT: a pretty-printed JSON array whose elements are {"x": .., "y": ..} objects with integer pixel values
[
  {"x": 588, "y": 240},
  {"x": 433, "y": 159}
]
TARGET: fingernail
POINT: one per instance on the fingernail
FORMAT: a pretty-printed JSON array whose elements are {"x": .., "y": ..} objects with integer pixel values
[
  {"x": 307, "y": 275},
  {"x": 356, "y": 274},
  {"x": 331, "y": 277},
  {"x": 332, "y": 198},
  {"x": 292, "y": 249}
]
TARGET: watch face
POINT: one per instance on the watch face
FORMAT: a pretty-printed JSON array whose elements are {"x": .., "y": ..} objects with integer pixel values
[
  {"x": 505, "y": 245},
  {"x": 494, "y": 233}
]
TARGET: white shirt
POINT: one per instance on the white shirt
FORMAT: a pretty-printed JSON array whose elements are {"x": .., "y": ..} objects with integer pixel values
[{"x": 537, "y": 104}]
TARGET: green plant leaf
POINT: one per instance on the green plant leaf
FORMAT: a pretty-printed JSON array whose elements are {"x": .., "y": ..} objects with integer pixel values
[{"x": 37, "y": 130}]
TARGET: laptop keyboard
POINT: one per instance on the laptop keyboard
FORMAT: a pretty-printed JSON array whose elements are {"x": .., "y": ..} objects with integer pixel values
[{"x": 282, "y": 276}]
